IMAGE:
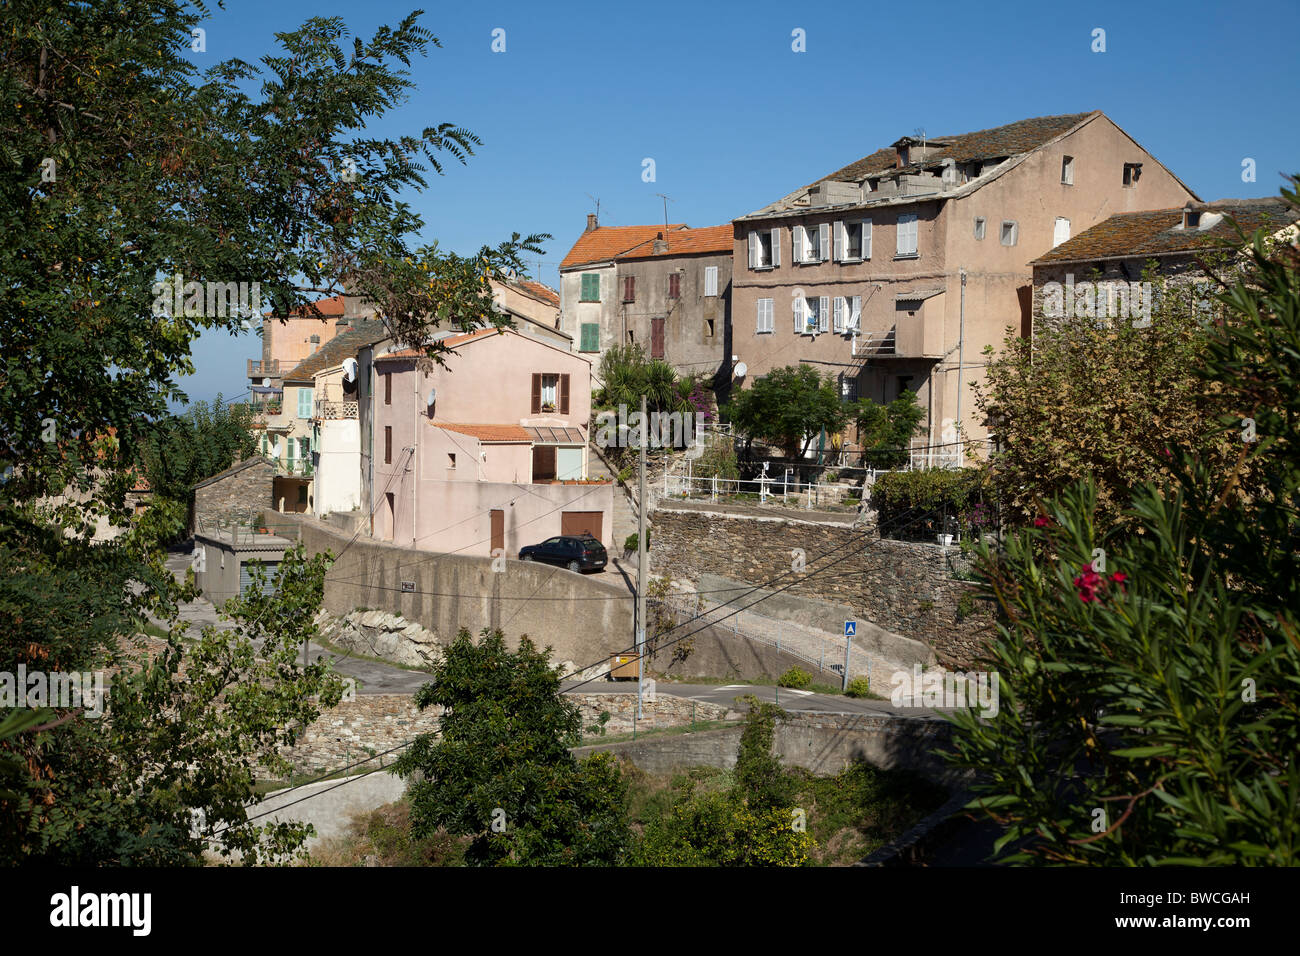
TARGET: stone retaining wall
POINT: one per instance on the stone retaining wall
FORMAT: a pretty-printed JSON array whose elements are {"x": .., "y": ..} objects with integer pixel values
[{"x": 904, "y": 587}]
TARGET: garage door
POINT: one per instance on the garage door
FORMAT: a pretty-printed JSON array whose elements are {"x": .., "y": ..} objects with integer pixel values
[
  {"x": 272, "y": 569},
  {"x": 582, "y": 522}
]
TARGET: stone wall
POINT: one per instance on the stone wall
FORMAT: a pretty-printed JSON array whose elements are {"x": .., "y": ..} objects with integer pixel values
[
  {"x": 905, "y": 587},
  {"x": 234, "y": 494}
]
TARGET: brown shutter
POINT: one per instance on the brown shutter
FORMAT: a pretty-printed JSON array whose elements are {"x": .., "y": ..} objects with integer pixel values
[
  {"x": 537, "y": 393},
  {"x": 388, "y": 444},
  {"x": 564, "y": 394},
  {"x": 388, "y": 388}
]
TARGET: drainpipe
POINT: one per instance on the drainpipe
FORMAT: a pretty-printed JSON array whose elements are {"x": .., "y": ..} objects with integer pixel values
[{"x": 961, "y": 365}]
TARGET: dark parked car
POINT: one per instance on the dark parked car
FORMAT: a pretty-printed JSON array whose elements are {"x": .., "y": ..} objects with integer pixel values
[{"x": 577, "y": 552}]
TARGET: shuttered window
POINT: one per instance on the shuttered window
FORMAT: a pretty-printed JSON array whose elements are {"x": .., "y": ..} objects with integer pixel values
[
  {"x": 710, "y": 280},
  {"x": 823, "y": 242},
  {"x": 590, "y": 337},
  {"x": 839, "y": 308},
  {"x": 629, "y": 288},
  {"x": 854, "y": 319},
  {"x": 388, "y": 444},
  {"x": 866, "y": 238},
  {"x": 766, "y": 318},
  {"x": 675, "y": 286},
  {"x": 590, "y": 287},
  {"x": 824, "y": 313},
  {"x": 537, "y": 393},
  {"x": 388, "y": 388},
  {"x": 564, "y": 394},
  {"x": 907, "y": 235},
  {"x": 776, "y": 247},
  {"x": 304, "y": 403},
  {"x": 1061, "y": 233}
]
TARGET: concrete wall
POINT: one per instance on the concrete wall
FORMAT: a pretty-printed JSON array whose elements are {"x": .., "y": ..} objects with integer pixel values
[
  {"x": 337, "y": 479},
  {"x": 576, "y": 312},
  {"x": 688, "y": 346},
  {"x": 582, "y": 618}
]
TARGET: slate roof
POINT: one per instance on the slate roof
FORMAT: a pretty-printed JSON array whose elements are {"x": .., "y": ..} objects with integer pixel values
[
  {"x": 366, "y": 332},
  {"x": 608, "y": 242},
  {"x": 1155, "y": 232},
  {"x": 684, "y": 242}
]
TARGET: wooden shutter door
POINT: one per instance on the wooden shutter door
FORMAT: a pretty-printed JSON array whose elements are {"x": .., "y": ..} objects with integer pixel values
[
  {"x": 657, "y": 337},
  {"x": 564, "y": 394},
  {"x": 537, "y": 393},
  {"x": 498, "y": 529}
]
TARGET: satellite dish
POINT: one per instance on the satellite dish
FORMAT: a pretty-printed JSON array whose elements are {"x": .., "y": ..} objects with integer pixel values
[
  {"x": 741, "y": 370},
  {"x": 433, "y": 393},
  {"x": 349, "y": 370},
  {"x": 266, "y": 383}
]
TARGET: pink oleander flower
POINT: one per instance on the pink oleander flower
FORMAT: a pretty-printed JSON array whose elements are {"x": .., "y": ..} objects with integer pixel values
[{"x": 1042, "y": 522}]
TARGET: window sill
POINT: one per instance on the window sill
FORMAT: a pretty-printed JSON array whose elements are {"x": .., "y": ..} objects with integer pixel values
[
  {"x": 907, "y": 255},
  {"x": 850, "y": 260},
  {"x": 761, "y": 268}
]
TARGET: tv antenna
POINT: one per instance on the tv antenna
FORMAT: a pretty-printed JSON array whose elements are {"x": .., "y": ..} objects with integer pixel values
[
  {"x": 597, "y": 202},
  {"x": 666, "y": 200}
]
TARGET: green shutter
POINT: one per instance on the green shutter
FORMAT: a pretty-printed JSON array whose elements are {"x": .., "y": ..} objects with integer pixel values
[
  {"x": 590, "y": 337},
  {"x": 591, "y": 287},
  {"x": 304, "y": 403}
]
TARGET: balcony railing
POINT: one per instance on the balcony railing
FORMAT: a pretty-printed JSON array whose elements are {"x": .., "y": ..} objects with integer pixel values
[
  {"x": 874, "y": 345},
  {"x": 326, "y": 410},
  {"x": 257, "y": 368}
]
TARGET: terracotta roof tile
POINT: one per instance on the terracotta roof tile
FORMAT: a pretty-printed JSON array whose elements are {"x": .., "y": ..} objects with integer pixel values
[
  {"x": 450, "y": 341},
  {"x": 487, "y": 433},
  {"x": 684, "y": 242},
  {"x": 539, "y": 291},
  {"x": 609, "y": 242},
  {"x": 343, "y": 345},
  {"x": 1155, "y": 232}
]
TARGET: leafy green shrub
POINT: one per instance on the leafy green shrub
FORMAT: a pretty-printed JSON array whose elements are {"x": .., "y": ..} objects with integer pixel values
[
  {"x": 886, "y": 431},
  {"x": 859, "y": 687},
  {"x": 917, "y": 505},
  {"x": 630, "y": 543},
  {"x": 965, "y": 606},
  {"x": 795, "y": 677},
  {"x": 625, "y": 475}
]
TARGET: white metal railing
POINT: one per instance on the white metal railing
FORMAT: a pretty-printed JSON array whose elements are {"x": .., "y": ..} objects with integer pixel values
[
  {"x": 874, "y": 344},
  {"x": 785, "y": 489}
]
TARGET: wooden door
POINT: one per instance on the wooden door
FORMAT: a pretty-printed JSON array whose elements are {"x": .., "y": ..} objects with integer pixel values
[
  {"x": 498, "y": 529},
  {"x": 582, "y": 522},
  {"x": 543, "y": 463}
]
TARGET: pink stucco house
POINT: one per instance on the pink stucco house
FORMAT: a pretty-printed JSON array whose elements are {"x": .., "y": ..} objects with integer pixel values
[{"x": 486, "y": 452}]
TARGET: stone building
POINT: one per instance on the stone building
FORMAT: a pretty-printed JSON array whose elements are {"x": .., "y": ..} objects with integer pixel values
[{"x": 896, "y": 271}]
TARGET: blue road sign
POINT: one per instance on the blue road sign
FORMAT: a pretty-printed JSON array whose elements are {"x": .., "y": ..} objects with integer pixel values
[{"x": 850, "y": 628}]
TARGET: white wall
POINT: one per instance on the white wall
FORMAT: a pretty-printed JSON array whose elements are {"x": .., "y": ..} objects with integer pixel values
[{"x": 338, "y": 474}]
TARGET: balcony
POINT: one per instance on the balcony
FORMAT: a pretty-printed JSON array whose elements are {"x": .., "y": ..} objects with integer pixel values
[
  {"x": 260, "y": 369},
  {"x": 292, "y": 467},
  {"x": 334, "y": 411},
  {"x": 876, "y": 345}
]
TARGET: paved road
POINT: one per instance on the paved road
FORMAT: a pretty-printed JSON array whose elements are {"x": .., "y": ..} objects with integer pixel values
[{"x": 726, "y": 694}]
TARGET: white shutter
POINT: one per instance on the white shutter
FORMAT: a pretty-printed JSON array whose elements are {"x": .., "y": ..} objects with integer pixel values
[
  {"x": 839, "y": 312},
  {"x": 1061, "y": 233},
  {"x": 710, "y": 280},
  {"x": 799, "y": 241},
  {"x": 824, "y": 243},
  {"x": 758, "y": 316},
  {"x": 798, "y": 315},
  {"x": 841, "y": 241},
  {"x": 776, "y": 247},
  {"x": 753, "y": 250},
  {"x": 824, "y": 314},
  {"x": 866, "y": 238},
  {"x": 855, "y": 312}
]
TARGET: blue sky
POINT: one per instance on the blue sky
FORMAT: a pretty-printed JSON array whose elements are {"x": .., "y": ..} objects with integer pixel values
[{"x": 584, "y": 92}]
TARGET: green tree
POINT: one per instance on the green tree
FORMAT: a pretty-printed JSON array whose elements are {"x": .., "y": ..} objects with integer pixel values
[
  {"x": 124, "y": 168},
  {"x": 196, "y": 445},
  {"x": 1149, "y": 669},
  {"x": 885, "y": 431},
  {"x": 788, "y": 407},
  {"x": 501, "y": 770}
]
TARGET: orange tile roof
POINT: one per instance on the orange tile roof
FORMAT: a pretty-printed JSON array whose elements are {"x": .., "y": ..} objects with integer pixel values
[
  {"x": 487, "y": 433},
  {"x": 609, "y": 242},
  {"x": 539, "y": 291},
  {"x": 688, "y": 241},
  {"x": 450, "y": 342},
  {"x": 331, "y": 307}
]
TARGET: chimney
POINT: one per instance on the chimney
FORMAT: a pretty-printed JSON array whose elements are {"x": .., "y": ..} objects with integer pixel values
[
  {"x": 661, "y": 244},
  {"x": 591, "y": 222}
]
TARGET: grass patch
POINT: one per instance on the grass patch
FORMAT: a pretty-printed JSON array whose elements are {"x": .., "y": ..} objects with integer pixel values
[
  {"x": 698, "y": 726},
  {"x": 263, "y": 787},
  {"x": 383, "y": 837}
]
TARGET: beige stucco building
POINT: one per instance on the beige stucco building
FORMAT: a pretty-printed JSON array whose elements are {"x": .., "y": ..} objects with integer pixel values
[{"x": 896, "y": 271}]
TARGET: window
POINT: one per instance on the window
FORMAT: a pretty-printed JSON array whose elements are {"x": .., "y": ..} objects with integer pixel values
[
  {"x": 766, "y": 317},
  {"x": 846, "y": 311},
  {"x": 590, "y": 337},
  {"x": 1061, "y": 233},
  {"x": 848, "y": 241},
  {"x": 675, "y": 285},
  {"x": 550, "y": 393},
  {"x": 710, "y": 280},
  {"x": 866, "y": 239},
  {"x": 812, "y": 315},
  {"x": 1010, "y": 232},
  {"x": 1067, "y": 170},
  {"x": 388, "y": 444},
  {"x": 811, "y": 243},
  {"x": 550, "y": 385},
  {"x": 304, "y": 449},
  {"x": 388, "y": 388},
  {"x": 590, "y": 287},
  {"x": 1132, "y": 173},
  {"x": 765, "y": 249},
  {"x": 304, "y": 403},
  {"x": 979, "y": 227},
  {"x": 906, "y": 235},
  {"x": 629, "y": 288},
  {"x": 631, "y": 337},
  {"x": 708, "y": 328},
  {"x": 451, "y": 460},
  {"x": 1191, "y": 220}
]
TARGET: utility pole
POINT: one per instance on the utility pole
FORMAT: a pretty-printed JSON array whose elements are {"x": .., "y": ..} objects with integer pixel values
[
  {"x": 961, "y": 364},
  {"x": 642, "y": 559}
]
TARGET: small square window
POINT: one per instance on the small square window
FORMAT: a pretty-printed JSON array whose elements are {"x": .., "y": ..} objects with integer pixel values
[
  {"x": 708, "y": 328},
  {"x": 1132, "y": 173},
  {"x": 629, "y": 288},
  {"x": 1067, "y": 170},
  {"x": 675, "y": 285},
  {"x": 1010, "y": 232},
  {"x": 590, "y": 287},
  {"x": 979, "y": 227},
  {"x": 451, "y": 459}
]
